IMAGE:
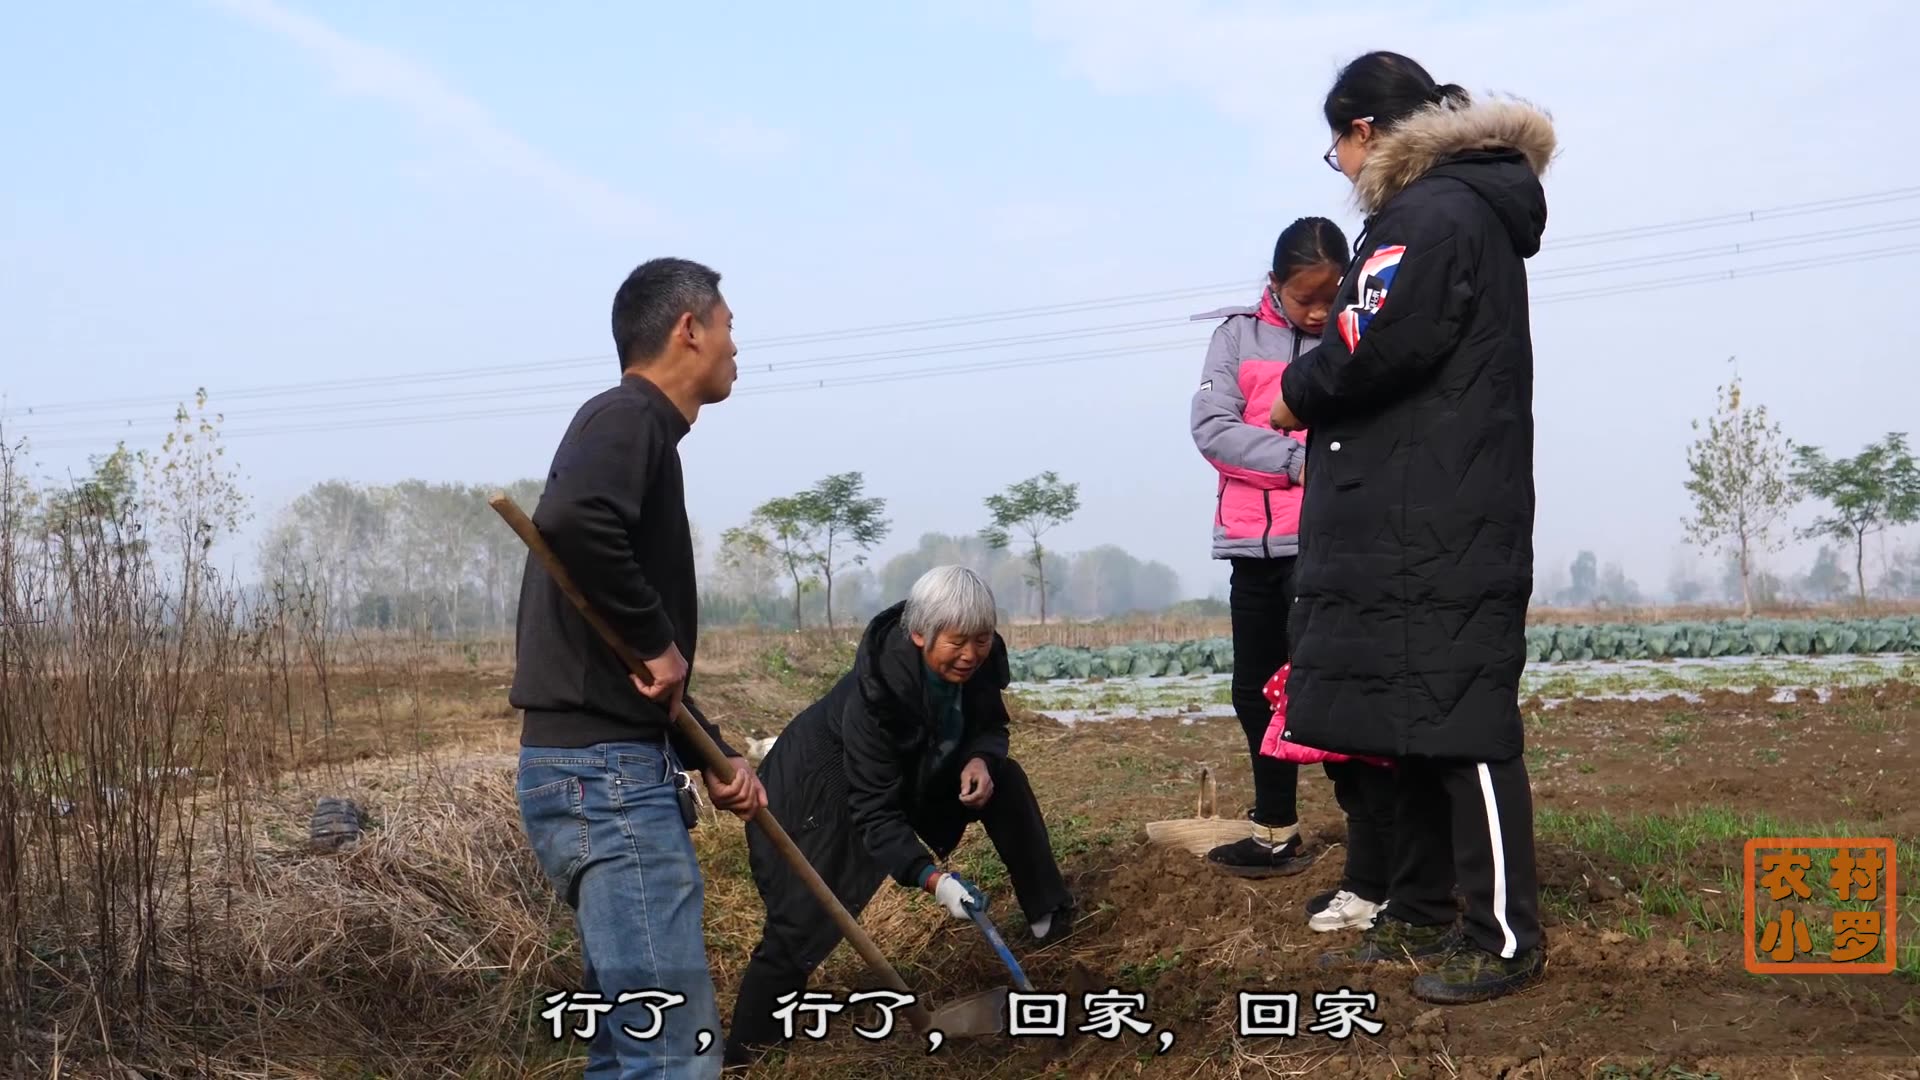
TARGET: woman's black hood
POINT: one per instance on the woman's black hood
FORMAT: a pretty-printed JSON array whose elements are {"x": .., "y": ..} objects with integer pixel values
[{"x": 1497, "y": 148}]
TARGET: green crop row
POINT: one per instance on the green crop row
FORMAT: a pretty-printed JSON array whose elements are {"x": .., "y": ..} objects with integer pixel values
[{"x": 1626, "y": 641}]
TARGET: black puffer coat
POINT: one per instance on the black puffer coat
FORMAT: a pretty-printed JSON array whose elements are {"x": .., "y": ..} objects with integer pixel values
[
  {"x": 852, "y": 770},
  {"x": 1408, "y": 633}
]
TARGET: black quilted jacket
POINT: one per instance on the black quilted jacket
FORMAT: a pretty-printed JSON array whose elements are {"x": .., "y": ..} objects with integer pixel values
[{"x": 1408, "y": 633}]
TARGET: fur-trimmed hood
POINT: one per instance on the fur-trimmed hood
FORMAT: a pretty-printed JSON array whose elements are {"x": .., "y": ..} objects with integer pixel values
[{"x": 1513, "y": 136}]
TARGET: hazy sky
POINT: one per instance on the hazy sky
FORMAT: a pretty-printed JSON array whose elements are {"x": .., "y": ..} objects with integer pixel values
[{"x": 250, "y": 195}]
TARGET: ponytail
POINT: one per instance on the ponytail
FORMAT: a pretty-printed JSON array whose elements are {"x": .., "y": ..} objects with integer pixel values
[{"x": 1386, "y": 87}]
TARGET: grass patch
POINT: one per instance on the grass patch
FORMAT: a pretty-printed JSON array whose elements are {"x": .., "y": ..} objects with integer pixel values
[{"x": 1689, "y": 863}]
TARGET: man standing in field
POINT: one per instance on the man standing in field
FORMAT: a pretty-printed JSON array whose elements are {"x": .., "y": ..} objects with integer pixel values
[{"x": 600, "y": 781}]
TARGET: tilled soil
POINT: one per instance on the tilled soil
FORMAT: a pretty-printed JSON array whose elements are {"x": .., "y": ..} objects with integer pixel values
[{"x": 1630, "y": 991}]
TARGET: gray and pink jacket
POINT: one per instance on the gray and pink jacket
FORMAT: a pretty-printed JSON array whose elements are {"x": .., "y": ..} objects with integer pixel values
[{"x": 1257, "y": 511}]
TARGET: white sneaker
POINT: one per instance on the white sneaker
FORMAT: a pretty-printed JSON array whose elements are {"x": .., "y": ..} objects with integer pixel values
[{"x": 1344, "y": 912}]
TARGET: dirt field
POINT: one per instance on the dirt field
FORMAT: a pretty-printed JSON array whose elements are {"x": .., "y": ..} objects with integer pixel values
[{"x": 1642, "y": 810}]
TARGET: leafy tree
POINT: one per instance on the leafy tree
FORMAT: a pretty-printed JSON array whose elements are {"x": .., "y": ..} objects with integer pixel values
[
  {"x": 197, "y": 494},
  {"x": 1738, "y": 479},
  {"x": 841, "y": 518},
  {"x": 1033, "y": 506},
  {"x": 100, "y": 511},
  {"x": 1866, "y": 493},
  {"x": 782, "y": 529}
]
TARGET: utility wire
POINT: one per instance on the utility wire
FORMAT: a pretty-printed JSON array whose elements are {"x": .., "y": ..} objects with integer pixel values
[
  {"x": 1079, "y": 333},
  {"x": 355, "y": 424},
  {"x": 574, "y": 388},
  {"x": 963, "y": 369},
  {"x": 1791, "y": 210}
]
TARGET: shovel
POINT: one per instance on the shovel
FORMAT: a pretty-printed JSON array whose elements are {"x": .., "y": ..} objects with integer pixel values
[{"x": 984, "y": 1013}]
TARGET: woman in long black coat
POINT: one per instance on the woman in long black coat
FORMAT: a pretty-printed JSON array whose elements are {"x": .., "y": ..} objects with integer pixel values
[{"x": 1416, "y": 561}]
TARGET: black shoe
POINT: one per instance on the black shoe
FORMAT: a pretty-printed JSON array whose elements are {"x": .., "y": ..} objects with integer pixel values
[
  {"x": 1059, "y": 926},
  {"x": 1259, "y": 856},
  {"x": 1390, "y": 940},
  {"x": 1320, "y": 901},
  {"x": 1470, "y": 974}
]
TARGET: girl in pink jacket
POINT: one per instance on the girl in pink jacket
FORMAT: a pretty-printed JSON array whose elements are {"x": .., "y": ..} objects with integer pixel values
[{"x": 1257, "y": 517}]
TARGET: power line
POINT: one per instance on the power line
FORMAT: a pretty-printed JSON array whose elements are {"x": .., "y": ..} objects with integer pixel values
[
  {"x": 468, "y": 374},
  {"x": 1785, "y": 266},
  {"x": 1598, "y": 292},
  {"x": 1078, "y": 333},
  {"x": 1744, "y": 217},
  {"x": 1185, "y": 347},
  {"x": 1764, "y": 270},
  {"x": 572, "y": 388},
  {"x": 1802, "y": 240}
]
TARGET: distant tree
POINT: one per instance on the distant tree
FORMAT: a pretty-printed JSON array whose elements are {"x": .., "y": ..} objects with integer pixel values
[
  {"x": 1866, "y": 493},
  {"x": 1902, "y": 579},
  {"x": 1826, "y": 581},
  {"x": 1616, "y": 589},
  {"x": 1108, "y": 580},
  {"x": 843, "y": 526},
  {"x": 1585, "y": 586},
  {"x": 1207, "y": 608},
  {"x": 1683, "y": 586},
  {"x": 1737, "y": 475},
  {"x": 1551, "y": 586},
  {"x": 1033, "y": 506},
  {"x": 781, "y": 529},
  {"x": 936, "y": 549}
]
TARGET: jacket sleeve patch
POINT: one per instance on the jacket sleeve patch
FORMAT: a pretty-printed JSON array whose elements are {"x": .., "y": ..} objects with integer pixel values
[
  {"x": 1205, "y": 386},
  {"x": 1376, "y": 277}
]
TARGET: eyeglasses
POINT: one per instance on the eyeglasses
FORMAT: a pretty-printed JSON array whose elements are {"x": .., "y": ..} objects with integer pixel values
[{"x": 1332, "y": 157}]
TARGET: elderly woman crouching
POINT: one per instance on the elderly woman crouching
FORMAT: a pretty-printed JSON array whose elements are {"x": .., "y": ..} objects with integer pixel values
[{"x": 881, "y": 777}]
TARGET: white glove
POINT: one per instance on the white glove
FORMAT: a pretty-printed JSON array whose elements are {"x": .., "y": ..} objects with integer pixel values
[{"x": 956, "y": 896}]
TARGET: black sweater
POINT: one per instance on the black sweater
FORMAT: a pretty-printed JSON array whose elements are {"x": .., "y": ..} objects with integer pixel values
[{"x": 614, "y": 511}]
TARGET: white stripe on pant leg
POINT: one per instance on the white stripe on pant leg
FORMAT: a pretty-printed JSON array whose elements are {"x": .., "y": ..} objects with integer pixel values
[{"x": 1508, "y": 946}]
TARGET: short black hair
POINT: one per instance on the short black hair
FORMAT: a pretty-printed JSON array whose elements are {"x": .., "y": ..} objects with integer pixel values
[
  {"x": 652, "y": 299},
  {"x": 1386, "y": 86},
  {"x": 1309, "y": 242}
]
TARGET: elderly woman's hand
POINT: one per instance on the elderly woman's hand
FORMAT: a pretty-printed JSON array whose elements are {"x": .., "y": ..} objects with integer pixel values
[
  {"x": 1282, "y": 418},
  {"x": 976, "y": 785}
]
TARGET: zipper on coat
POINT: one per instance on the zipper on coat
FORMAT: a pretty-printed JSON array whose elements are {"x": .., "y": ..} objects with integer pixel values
[{"x": 1266, "y": 535}]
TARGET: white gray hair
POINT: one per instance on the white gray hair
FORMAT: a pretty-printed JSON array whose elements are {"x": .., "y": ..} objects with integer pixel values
[{"x": 950, "y": 599}]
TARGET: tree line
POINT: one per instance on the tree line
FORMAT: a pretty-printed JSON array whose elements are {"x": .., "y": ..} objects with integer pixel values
[{"x": 432, "y": 556}]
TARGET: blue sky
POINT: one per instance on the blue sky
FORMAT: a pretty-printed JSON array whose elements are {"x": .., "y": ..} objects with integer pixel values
[{"x": 250, "y": 193}]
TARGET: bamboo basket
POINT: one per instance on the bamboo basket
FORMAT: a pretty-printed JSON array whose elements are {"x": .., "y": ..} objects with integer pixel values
[{"x": 1204, "y": 831}]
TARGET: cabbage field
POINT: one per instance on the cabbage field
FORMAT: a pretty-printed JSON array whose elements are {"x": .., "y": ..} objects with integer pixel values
[{"x": 1552, "y": 644}]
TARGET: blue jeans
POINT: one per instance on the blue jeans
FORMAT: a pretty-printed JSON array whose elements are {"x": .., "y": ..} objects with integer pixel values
[{"x": 605, "y": 824}]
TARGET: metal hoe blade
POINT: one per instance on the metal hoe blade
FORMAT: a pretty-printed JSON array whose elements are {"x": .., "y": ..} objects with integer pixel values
[
  {"x": 984, "y": 1013},
  {"x": 973, "y": 1016}
]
